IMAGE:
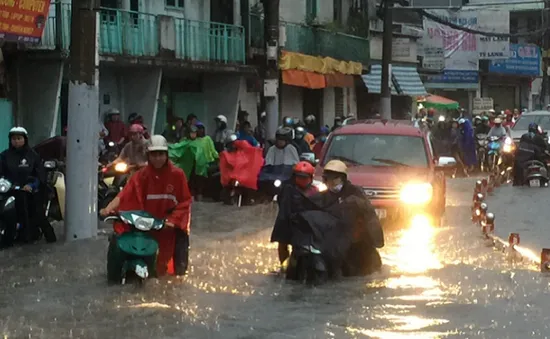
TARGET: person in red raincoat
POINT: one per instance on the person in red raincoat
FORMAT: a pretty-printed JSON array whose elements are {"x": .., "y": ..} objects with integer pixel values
[{"x": 161, "y": 189}]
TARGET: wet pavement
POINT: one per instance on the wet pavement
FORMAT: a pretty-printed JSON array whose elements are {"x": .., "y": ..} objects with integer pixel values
[{"x": 436, "y": 282}]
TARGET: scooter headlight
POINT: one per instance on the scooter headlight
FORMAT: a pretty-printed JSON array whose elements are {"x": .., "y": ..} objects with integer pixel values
[
  {"x": 121, "y": 167},
  {"x": 277, "y": 183},
  {"x": 111, "y": 144},
  {"x": 321, "y": 187},
  {"x": 144, "y": 224},
  {"x": 5, "y": 185}
]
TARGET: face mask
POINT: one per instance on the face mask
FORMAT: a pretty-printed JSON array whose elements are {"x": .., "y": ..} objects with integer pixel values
[{"x": 337, "y": 188}]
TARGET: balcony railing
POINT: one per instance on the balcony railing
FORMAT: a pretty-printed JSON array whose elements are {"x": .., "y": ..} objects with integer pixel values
[
  {"x": 316, "y": 41},
  {"x": 138, "y": 34},
  {"x": 209, "y": 41},
  {"x": 49, "y": 36}
]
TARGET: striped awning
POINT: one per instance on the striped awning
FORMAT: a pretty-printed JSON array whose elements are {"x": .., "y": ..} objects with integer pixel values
[
  {"x": 408, "y": 81},
  {"x": 373, "y": 80}
]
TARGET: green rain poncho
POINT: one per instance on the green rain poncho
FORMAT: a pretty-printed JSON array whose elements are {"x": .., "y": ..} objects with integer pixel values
[{"x": 188, "y": 153}]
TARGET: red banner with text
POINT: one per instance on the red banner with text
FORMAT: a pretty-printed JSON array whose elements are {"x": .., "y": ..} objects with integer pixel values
[{"x": 23, "y": 20}]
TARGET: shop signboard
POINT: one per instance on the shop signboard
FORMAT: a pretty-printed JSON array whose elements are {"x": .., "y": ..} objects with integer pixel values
[
  {"x": 524, "y": 60},
  {"x": 23, "y": 20},
  {"x": 455, "y": 77},
  {"x": 482, "y": 105}
]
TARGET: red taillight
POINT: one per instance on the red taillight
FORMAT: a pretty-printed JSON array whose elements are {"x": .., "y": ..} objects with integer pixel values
[{"x": 104, "y": 169}]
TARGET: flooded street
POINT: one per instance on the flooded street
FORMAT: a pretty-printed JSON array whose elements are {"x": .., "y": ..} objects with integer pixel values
[{"x": 436, "y": 283}]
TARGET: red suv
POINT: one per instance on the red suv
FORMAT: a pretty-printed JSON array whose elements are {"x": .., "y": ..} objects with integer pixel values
[{"x": 395, "y": 164}]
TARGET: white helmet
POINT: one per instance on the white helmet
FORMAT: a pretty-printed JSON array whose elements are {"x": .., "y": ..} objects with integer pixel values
[
  {"x": 112, "y": 111},
  {"x": 491, "y": 111},
  {"x": 310, "y": 118},
  {"x": 263, "y": 115},
  {"x": 158, "y": 143},
  {"x": 19, "y": 131},
  {"x": 221, "y": 118}
]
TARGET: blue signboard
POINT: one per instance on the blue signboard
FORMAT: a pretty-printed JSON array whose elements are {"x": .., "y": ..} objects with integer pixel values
[
  {"x": 524, "y": 60},
  {"x": 456, "y": 77}
]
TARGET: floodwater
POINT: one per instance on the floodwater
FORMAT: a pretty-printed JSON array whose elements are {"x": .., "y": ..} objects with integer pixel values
[{"x": 436, "y": 283}]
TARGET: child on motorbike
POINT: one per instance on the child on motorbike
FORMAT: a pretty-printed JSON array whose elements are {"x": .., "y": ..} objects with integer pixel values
[{"x": 293, "y": 199}]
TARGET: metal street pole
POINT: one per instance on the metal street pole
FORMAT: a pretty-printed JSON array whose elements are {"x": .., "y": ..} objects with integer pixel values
[
  {"x": 385, "y": 91},
  {"x": 271, "y": 75},
  {"x": 83, "y": 123}
]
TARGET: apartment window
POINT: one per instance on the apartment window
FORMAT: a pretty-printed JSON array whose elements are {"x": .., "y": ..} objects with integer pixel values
[
  {"x": 175, "y": 3},
  {"x": 312, "y": 9}
]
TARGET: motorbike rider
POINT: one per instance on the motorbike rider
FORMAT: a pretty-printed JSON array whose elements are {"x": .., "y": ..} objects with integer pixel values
[
  {"x": 311, "y": 126},
  {"x": 116, "y": 127},
  {"x": 283, "y": 152},
  {"x": 300, "y": 142},
  {"x": 362, "y": 257},
  {"x": 22, "y": 166},
  {"x": 260, "y": 132},
  {"x": 246, "y": 133},
  {"x": 160, "y": 189},
  {"x": 497, "y": 130},
  {"x": 321, "y": 139},
  {"x": 467, "y": 143},
  {"x": 483, "y": 127},
  {"x": 222, "y": 132},
  {"x": 135, "y": 119},
  {"x": 338, "y": 121},
  {"x": 531, "y": 147},
  {"x": 134, "y": 153},
  {"x": 291, "y": 201}
]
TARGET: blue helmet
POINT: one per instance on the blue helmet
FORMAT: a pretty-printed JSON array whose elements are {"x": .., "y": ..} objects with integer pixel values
[{"x": 533, "y": 127}]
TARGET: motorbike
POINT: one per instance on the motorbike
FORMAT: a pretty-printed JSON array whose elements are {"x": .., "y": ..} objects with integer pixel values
[
  {"x": 493, "y": 153},
  {"x": 110, "y": 153},
  {"x": 134, "y": 253},
  {"x": 55, "y": 191},
  {"x": 8, "y": 214},
  {"x": 481, "y": 147},
  {"x": 111, "y": 180},
  {"x": 271, "y": 180},
  {"x": 535, "y": 174}
]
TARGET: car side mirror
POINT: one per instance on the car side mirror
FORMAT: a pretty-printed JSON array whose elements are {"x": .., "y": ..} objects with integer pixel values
[{"x": 445, "y": 163}]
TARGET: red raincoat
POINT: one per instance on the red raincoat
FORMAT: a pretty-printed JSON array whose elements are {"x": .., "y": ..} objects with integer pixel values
[
  {"x": 157, "y": 191},
  {"x": 243, "y": 164}
]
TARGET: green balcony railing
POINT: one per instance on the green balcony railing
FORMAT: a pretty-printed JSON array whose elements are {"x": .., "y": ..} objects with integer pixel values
[
  {"x": 316, "y": 41},
  {"x": 49, "y": 36},
  {"x": 128, "y": 33},
  {"x": 209, "y": 41},
  {"x": 137, "y": 34}
]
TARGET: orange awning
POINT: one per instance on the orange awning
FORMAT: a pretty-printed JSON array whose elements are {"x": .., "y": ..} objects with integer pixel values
[
  {"x": 305, "y": 79},
  {"x": 339, "y": 80}
]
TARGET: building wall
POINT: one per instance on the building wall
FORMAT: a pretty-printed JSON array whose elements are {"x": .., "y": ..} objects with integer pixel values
[
  {"x": 248, "y": 102},
  {"x": 328, "y": 107},
  {"x": 295, "y": 10},
  {"x": 221, "y": 96},
  {"x": 407, "y": 51},
  {"x": 291, "y": 101},
  {"x": 39, "y": 87}
]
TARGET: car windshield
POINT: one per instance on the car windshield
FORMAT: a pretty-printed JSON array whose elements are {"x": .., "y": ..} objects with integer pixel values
[
  {"x": 378, "y": 150},
  {"x": 523, "y": 123}
]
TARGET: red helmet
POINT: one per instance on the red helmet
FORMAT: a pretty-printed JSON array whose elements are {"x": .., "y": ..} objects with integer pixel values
[
  {"x": 507, "y": 112},
  {"x": 135, "y": 128},
  {"x": 431, "y": 111},
  {"x": 304, "y": 169}
]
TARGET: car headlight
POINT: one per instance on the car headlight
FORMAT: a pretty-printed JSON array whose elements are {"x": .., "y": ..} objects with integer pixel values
[
  {"x": 5, "y": 185},
  {"x": 121, "y": 167},
  {"x": 321, "y": 187},
  {"x": 417, "y": 194}
]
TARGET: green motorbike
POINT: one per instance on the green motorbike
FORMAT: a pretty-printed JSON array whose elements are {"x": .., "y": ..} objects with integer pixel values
[{"x": 133, "y": 254}]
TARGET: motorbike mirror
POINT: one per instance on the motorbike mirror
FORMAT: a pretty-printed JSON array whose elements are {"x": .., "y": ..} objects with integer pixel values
[
  {"x": 490, "y": 219},
  {"x": 50, "y": 164}
]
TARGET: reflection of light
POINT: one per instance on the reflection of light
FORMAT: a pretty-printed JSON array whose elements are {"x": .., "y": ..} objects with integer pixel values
[
  {"x": 121, "y": 167},
  {"x": 382, "y": 334},
  {"x": 415, "y": 252},
  {"x": 321, "y": 187}
]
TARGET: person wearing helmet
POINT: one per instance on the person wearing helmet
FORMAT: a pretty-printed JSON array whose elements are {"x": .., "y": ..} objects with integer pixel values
[
  {"x": 300, "y": 142},
  {"x": 246, "y": 133},
  {"x": 509, "y": 119},
  {"x": 115, "y": 126},
  {"x": 483, "y": 127},
  {"x": 260, "y": 132},
  {"x": 222, "y": 132},
  {"x": 160, "y": 189},
  {"x": 311, "y": 124},
  {"x": 175, "y": 132},
  {"x": 531, "y": 147},
  {"x": 338, "y": 121},
  {"x": 288, "y": 122},
  {"x": 201, "y": 129},
  {"x": 283, "y": 152},
  {"x": 136, "y": 119},
  {"x": 320, "y": 142},
  {"x": 350, "y": 202},
  {"x": 293, "y": 199},
  {"x": 134, "y": 153},
  {"x": 467, "y": 143},
  {"x": 22, "y": 166},
  {"x": 497, "y": 130}
]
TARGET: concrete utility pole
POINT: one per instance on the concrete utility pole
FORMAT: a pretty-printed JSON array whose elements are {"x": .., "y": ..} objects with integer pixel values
[
  {"x": 385, "y": 89},
  {"x": 83, "y": 123},
  {"x": 271, "y": 75}
]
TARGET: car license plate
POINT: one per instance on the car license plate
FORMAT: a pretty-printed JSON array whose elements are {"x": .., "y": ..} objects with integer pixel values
[
  {"x": 381, "y": 214},
  {"x": 534, "y": 182}
]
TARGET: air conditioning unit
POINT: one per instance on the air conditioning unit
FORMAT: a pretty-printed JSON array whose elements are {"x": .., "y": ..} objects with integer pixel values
[{"x": 376, "y": 25}]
